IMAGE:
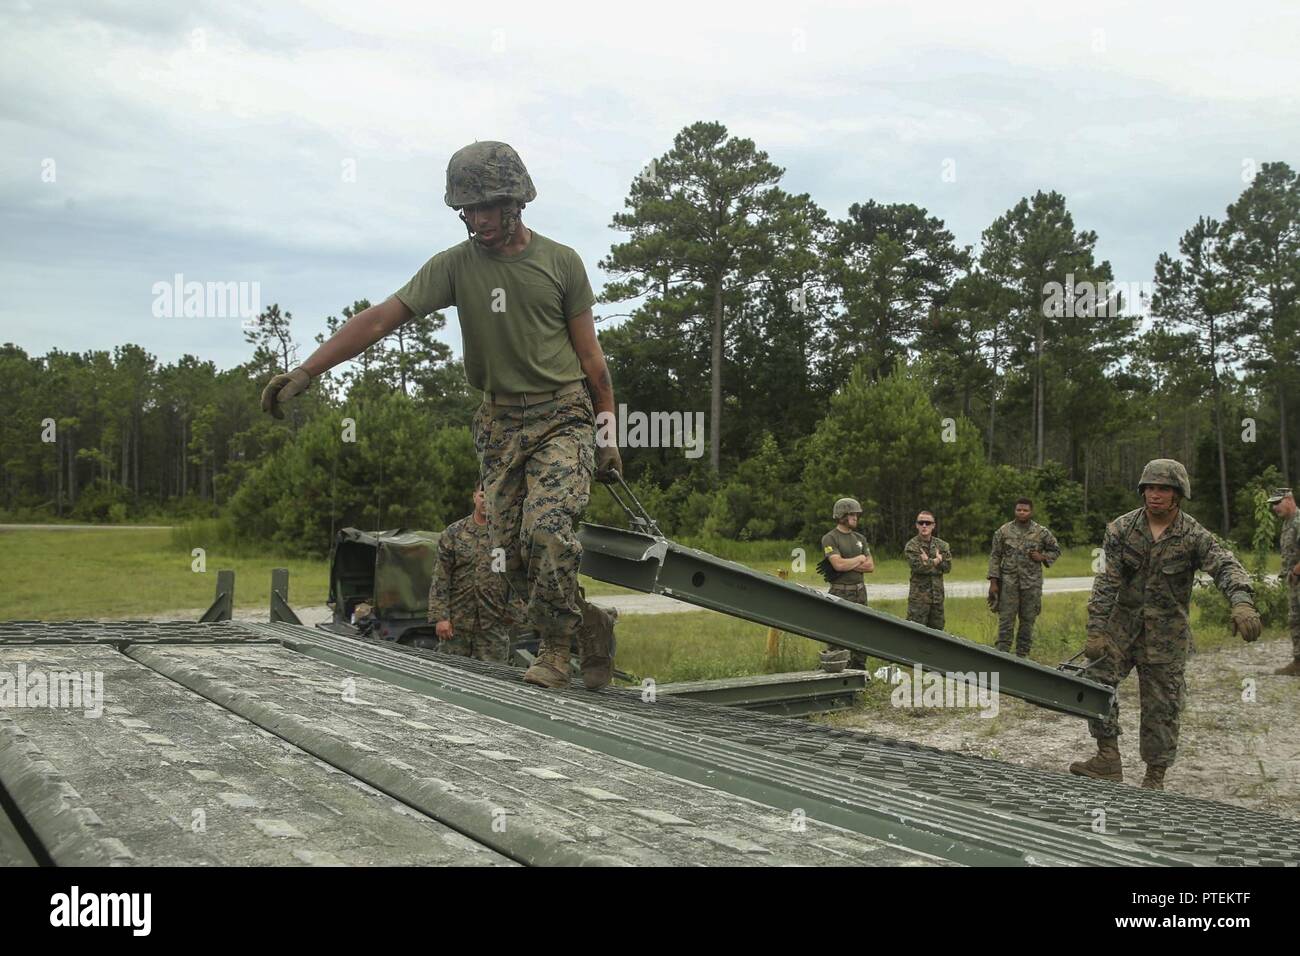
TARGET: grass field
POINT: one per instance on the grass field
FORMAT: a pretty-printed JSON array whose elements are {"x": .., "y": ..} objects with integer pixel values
[
  {"x": 125, "y": 573},
  {"x": 705, "y": 645},
  {"x": 130, "y": 572}
]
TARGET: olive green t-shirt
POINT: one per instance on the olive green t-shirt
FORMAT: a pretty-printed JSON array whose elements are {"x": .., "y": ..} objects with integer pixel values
[
  {"x": 850, "y": 545},
  {"x": 514, "y": 311}
]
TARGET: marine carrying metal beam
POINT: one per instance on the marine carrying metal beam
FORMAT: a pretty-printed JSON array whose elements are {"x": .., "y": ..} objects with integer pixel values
[{"x": 658, "y": 566}]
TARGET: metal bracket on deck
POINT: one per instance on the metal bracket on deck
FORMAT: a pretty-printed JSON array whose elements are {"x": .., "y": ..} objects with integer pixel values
[
  {"x": 281, "y": 612},
  {"x": 223, "y": 607}
]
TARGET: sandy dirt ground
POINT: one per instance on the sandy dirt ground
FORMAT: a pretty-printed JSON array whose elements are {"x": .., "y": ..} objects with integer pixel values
[{"x": 1240, "y": 739}]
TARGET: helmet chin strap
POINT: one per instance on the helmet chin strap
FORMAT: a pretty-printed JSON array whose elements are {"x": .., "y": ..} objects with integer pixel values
[{"x": 509, "y": 224}]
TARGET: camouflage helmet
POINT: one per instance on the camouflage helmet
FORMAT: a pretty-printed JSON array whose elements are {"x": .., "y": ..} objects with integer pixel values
[
  {"x": 487, "y": 172},
  {"x": 846, "y": 506},
  {"x": 1166, "y": 471}
]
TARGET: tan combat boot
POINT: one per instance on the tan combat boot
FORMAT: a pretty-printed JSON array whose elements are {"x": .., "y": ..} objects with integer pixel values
[
  {"x": 1291, "y": 670},
  {"x": 1155, "y": 778},
  {"x": 551, "y": 668},
  {"x": 596, "y": 646},
  {"x": 1106, "y": 765}
]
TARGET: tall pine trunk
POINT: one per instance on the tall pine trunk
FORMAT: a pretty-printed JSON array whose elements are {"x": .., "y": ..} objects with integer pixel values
[
  {"x": 1223, "y": 467},
  {"x": 1038, "y": 393},
  {"x": 715, "y": 404},
  {"x": 59, "y": 445},
  {"x": 71, "y": 451},
  {"x": 1281, "y": 431}
]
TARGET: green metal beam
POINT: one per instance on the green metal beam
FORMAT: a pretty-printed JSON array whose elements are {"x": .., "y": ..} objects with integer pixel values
[
  {"x": 659, "y": 566},
  {"x": 800, "y": 693}
]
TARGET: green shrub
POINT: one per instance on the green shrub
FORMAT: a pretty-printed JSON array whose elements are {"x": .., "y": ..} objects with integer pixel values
[
  {"x": 1270, "y": 601},
  {"x": 97, "y": 499}
]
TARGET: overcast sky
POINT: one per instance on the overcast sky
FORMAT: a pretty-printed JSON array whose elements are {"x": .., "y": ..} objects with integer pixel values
[{"x": 217, "y": 139}]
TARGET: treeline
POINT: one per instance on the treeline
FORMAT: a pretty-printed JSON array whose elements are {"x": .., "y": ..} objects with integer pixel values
[
  {"x": 102, "y": 436},
  {"x": 752, "y": 303},
  {"x": 873, "y": 356}
]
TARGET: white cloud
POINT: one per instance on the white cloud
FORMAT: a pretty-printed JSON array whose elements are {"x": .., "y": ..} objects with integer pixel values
[{"x": 222, "y": 151}]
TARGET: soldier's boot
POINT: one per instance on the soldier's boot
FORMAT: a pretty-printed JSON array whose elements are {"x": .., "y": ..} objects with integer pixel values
[
  {"x": 551, "y": 667},
  {"x": 1106, "y": 765},
  {"x": 596, "y": 646},
  {"x": 1154, "y": 779},
  {"x": 1291, "y": 670}
]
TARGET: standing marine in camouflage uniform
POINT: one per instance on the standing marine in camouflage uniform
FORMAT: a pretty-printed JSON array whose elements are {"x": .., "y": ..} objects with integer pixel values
[
  {"x": 524, "y": 306},
  {"x": 1284, "y": 506},
  {"x": 1021, "y": 549},
  {"x": 472, "y": 610},
  {"x": 847, "y": 551},
  {"x": 929, "y": 558},
  {"x": 1137, "y": 616}
]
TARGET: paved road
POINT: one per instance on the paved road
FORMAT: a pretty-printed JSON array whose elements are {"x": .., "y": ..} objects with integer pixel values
[
  {"x": 659, "y": 603},
  {"x": 85, "y": 527}
]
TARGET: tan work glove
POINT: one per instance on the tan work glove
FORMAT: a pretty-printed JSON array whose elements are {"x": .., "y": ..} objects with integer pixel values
[
  {"x": 1097, "y": 647},
  {"x": 608, "y": 461},
  {"x": 993, "y": 595},
  {"x": 284, "y": 387},
  {"x": 1245, "y": 621}
]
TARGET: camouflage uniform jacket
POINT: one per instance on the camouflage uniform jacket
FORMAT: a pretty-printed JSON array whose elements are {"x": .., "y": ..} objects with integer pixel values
[
  {"x": 926, "y": 578},
  {"x": 1290, "y": 546},
  {"x": 465, "y": 589},
  {"x": 1145, "y": 586},
  {"x": 1009, "y": 559}
]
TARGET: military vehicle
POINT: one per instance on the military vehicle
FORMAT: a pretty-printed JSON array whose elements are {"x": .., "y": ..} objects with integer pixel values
[{"x": 379, "y": 587}]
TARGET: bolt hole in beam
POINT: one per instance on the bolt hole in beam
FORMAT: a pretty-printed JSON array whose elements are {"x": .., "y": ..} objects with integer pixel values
[{"x": 698, "y": 579}]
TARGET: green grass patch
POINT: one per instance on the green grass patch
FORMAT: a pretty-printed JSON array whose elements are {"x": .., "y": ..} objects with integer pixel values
[
  {"x": 706, "y": 645},
  {"x": 125, "y": 573}
]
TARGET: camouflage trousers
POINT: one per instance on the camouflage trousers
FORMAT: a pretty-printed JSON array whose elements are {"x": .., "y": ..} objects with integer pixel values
[
  {"x": 1025, "y": 603},
  {"x": 1161, "y": 692},
  {"x": 925, "y": 607},
  {"x": 536, "y": 464},
  {"x": 489, "y": 645},
  {"x": 857, "y": 593},
  {"x": 1293, "y": 618}
]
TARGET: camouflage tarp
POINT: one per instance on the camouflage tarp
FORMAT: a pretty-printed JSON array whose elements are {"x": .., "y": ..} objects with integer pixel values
[{"x": 389, "y": 569}]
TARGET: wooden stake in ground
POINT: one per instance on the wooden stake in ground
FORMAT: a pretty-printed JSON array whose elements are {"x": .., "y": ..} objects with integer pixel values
[{"x": 773, "y": 635}]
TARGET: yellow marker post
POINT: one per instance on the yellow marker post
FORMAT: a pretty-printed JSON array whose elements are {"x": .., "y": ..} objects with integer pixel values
[{"x": 773, "y": 635}]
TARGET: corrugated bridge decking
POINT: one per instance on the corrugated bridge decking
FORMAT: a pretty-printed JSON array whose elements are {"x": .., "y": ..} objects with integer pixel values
[
  {"x": 1051, "y": 816},
  {"x": 165, "y": 777},
  {"x": 293, "y": 760},
  {"x": 463, "y": 745}
]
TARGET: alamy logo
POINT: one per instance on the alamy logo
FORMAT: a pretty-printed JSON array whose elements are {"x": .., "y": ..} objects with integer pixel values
[
  {"x": 951, "y": 689},
  {"x": 1074, "y": 300},
  {"x": 70, "y": 690},
  {"x": 103, "y": 909},
  {"x": 655, "y": 430},
  {"x": 207, "y": 300}
]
